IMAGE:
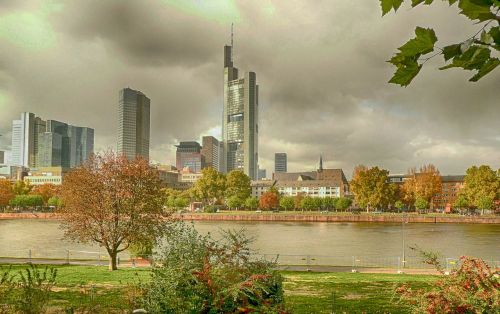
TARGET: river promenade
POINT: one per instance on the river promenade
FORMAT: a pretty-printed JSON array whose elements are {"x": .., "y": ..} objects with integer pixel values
[{"x": 304, "y": 217}]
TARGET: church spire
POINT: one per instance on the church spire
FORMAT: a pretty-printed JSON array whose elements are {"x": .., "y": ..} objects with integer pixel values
[{"x": 320, "y": 162}]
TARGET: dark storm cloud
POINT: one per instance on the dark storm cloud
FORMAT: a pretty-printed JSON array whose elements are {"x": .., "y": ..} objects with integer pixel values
[{"x": 321, "y": 69}]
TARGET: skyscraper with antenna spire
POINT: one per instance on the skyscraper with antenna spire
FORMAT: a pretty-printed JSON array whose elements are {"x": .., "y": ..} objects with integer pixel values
[{"x": 240, "y": 130}]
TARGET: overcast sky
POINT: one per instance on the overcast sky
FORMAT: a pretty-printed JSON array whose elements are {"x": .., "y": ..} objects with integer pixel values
[{"x": 320, "y": 66}]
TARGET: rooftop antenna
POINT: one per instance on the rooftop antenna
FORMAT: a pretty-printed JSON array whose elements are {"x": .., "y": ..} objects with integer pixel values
[{"x": 232, "y": 44}]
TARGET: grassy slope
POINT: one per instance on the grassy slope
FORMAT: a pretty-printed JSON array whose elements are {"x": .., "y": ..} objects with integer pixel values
[{"x": 306, "y": 292}]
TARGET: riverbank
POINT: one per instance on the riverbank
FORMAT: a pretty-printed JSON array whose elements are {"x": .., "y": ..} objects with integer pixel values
[{"x": 304, "y": 217}]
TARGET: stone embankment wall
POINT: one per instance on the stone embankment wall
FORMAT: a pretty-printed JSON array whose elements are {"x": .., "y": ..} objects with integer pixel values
[{"x": 298, "y": 218}]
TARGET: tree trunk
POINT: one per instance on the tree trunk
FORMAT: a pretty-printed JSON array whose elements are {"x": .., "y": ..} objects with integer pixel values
[{"x": 113, "y": 260}]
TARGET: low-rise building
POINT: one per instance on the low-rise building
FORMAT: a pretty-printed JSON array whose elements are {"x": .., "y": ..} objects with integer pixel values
[
  {"x": 44, "y": 175},
  {"x": 450, "y": 187}
]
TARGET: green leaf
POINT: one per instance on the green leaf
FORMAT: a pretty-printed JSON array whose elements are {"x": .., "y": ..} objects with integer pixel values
[
  {"x": 495, "y": 34},
  {"x": 405, "y": 74},
  {"x": 472, "y": 59},
  {"x": 451, "y": 51},
  {"x": 487, "y": 67},
  {"x": 476, "y": 9},
  {"x": 387, "y": 5},
  {"x": 423, "y": 43}
]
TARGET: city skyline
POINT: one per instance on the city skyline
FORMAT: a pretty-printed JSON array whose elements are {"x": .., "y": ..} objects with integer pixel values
[{"x": 309, "y": 105}]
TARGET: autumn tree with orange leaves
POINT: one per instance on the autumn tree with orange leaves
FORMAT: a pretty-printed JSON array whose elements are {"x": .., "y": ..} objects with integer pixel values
[
  {"x": 6, "y": 192},
  {"x": 114, "y": 202},
  {"x": 424, "y": 184},
  {"x": 269, "y": 200},
  {"x": 46, "y": 191}
]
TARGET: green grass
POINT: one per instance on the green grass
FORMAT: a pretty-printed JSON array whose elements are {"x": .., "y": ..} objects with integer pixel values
[{"x": 306, "y": 292}]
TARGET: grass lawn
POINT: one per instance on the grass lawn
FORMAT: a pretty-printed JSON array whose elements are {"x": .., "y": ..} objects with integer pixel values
[{"x": 86, "y": 286}]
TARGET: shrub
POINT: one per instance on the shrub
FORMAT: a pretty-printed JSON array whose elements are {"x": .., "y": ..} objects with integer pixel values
[
  {"x": 421, "y": 203},
  {"x": 472, "y": 288},
  {"x": 252, "y": 203},
  {"x": 197, "y": 274},
  {"x": 343, "y": 203},
  {"x": 26, "y": 201},
  {"x": 287, "y": 203}
]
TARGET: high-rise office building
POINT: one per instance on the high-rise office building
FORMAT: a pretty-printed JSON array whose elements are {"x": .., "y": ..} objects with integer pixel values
[
  {"x": 280, "y": 162},
  {"x": 262, "y": 175},
  {"x": 189, "y": 155},
  {"x": 240, "y": 118},
  {"x": 40, "y": 143},
  {"x": 133, "y": 124},
  {"x": 2, "y": 157},
  {"x": 212, "y": 152}
]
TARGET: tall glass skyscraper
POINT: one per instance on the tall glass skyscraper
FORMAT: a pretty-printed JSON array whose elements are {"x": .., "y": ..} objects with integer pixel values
[
  {"x": 133, "y": 124},
  {"x": 40, "y": 143},
  {"x": 240, "y": 119}
]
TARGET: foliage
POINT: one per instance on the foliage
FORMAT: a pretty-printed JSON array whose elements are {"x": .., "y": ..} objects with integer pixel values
[
  {"x": 197, "y": 274},
  {"x": 269, "y": 200},
  {"x": 298, "y": 199},
  {"x": 473, "y": 54},
  {"x": 472, "y": 288},
  {"x": 485, "y": 202},
  {"x": 343, "y": 203},
  {"x": 423, "y": 184},
  {"x": 308, "y": 203},
  {"x": 329, "y": 202},
  {"x": 113, "y": 201},
  {"x": 252, "y": 203},
  {"x": 142, "y": 249},
  {"x": 399, "y": 205},
  {"x": 371, "y": 189},
  {"x": 421, "y": 203},
  {"x": 22, "y": 187},
  {"x": 238, "y": 184},
  {"x": 461, "y": 202},
  {"x": 235, "y": 201},
  {"x": 6, "y": 192},
  {"x": 28, "y": 291},
  {"x": 210, "y": 188},
  {"x": 46, "y": 191},
  {"x": 480, "y": 183},
  {"x": 55, "y": 201},
  {"x": 25, "y": 201},
  {"x": 287, "y": 203}
]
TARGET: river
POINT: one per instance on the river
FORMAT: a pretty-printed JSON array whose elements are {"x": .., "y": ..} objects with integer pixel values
[{"x": 45, "y": 239}]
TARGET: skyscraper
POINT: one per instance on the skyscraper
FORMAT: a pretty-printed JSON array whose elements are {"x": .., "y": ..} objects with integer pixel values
[
  {"x": 189, "y": 155},
  {"x": 212, "y": 152},
  {"x": 280, "y": 162},
  {"x": 240, "y": 119},
  {"x": 40, "y": 143},
  {"x": 133, "y": 124}
]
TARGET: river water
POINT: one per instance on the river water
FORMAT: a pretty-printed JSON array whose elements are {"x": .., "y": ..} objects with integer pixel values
[{"x": 45, "y": 239}]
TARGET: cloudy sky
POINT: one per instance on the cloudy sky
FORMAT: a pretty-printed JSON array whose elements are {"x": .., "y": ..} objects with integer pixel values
[{"x": 320, "y": 64}]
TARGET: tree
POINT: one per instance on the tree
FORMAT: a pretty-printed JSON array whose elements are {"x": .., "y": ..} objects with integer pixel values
[
  {"x": 46, "y": 191},
  {"x": 485, "y": 203},
  {"x": 210, "y": 187},
  {"x": 26, "y": 201},
  {"x": 298, "y": 199},
  {"x": 343, "y": 203},
  {"x": 238, "y": 184},
  {"x": 287, "y": 203},
  {"x": 269, "y": 200},
  {"x": 54, "y": 201},
  {"x": 113, "y": 201},
  {"x": 421, "y": 203},
  {"x": 473, "y": 54},
  {"x": 461, "y": 202},
  {"x": 424, "y": 184},
  {"x": 252, "y": 203},
  {"x": 235, "y": 201},
  {"x": 399, "y": 205},
  {"x": 308, "y": 203},
  {"x": 329, "y": 203},
  {"x": 181, "y": 202},
  {"x": 370, "y": 187},
  {"x": 22, "y": 187},
  {"x": 6, "y": 192},
  {"x": 480, "y": 183}
]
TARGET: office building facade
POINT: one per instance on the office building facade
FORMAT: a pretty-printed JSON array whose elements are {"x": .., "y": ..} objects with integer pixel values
[
  {"x": 212, "y": 151},
  {"x": 133, "y": 124},
  {"x": 188, "y": 155},
  {"x": 280, "y": 162},
  {"x": 40, "y": 143},
  {"x": 240, "y": 119}
]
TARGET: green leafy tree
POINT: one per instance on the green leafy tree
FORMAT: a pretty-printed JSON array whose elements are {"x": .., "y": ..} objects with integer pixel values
[
  {"x": 485, "y": 203},
  {"x": 480, "y": 183},
  {"x": 252, "y": 203},
  {"x": 27, "y": 201},
  {"x": 181, "y": 202},
  {"x": 329, "y": 203},
  {"x": 210, "y": 188},
  {"x": 287, "y": 203},
  {"x": 238, "y": 184},
  {"x": 308, "y": 203},
  {"x": 461, "y": 202},
  {"x": 399, "y": 205},
  {"x": 54, "y": 201},
  {"x": 22, "y": 187},
  {"x": 235, "y": 202},
  {"x": 343, "y": 203},
  {"x": 476, "y": 53},
  {"x": 421, "y": 203},
  {"x": 371, "y": 189}
]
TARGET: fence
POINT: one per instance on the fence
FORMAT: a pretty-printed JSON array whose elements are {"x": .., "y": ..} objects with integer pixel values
[{"x": 285, "y": 261}]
